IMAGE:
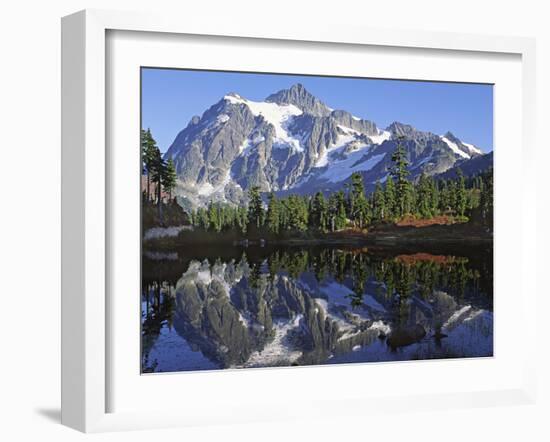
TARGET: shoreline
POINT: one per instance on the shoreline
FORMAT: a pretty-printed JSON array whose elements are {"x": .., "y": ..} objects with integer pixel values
[{"x": 388, "y": 236}]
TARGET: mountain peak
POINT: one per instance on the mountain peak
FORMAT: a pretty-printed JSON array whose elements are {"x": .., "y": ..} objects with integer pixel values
[
  {"x": 298, "y": 87},
  {"x": 300, "y": 97},
  {"x": 450, "y": 136},
  {"x": 400, "y": 129}
]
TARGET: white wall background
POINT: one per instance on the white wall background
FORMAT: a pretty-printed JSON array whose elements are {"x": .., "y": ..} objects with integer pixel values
[{"x": 30, "y": 214}]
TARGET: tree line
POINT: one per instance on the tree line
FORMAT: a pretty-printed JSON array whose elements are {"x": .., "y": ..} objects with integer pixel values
[{"x": 394, "y": 199}]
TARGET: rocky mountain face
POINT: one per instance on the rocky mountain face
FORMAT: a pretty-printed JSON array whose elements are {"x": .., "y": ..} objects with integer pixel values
[
  {"x": 469, "y": 168},
  {"x": 293, "y": 142}
]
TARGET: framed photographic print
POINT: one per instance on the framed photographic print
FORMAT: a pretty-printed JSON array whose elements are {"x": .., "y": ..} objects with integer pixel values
[
  {"x": 261, "y": 212},
  {"x": 280, "y": 231}
]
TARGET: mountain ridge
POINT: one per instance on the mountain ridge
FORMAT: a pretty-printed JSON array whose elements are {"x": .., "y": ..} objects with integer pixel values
[{"x": 293, "y": 142}]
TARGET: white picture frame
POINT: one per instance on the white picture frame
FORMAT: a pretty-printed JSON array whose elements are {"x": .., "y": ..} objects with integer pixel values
[{"x": 86, "y": 350}]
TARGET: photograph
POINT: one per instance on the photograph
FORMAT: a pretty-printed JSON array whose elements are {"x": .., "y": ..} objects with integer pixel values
[
  {"x": 296, "y": 220},
  {"x": 275, "y": 222}
]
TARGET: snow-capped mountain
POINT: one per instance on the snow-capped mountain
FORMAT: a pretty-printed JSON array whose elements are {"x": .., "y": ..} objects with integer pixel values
[{"x": 293, "y": 142}]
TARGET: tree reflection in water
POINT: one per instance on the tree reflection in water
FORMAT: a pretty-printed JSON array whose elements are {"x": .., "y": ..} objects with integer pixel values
[{"x": 229, "y": 307}]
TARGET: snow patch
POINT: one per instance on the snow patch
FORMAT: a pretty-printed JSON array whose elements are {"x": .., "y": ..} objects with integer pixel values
[
  {"x": 248, "y": 144},
  {"x": 223, "y": 118},
  {"x": 456, "y": 316},
  {"x": 341, "y": 142},
  {"x": 207, "y": 189},
  {"x": 342, "y": 170},
  {"x": 425, "y": 160},
  {"x": 473, "y": 148},
  {"x": 473, "y": 315},
  {"x": 379, "y": 138},
  {"x": 275, "y": 114},
  {"x": 348, "y": 130},
  {"x": 323, "y": 304},
  {"x": 244, "y": 321},
  {"x": 380, "y": 326},
  {"x": 204, "y": 276},
  {"x": 277, "y": 352},
  {"x": 383, "y": 135},
  {"x": 343, "y": 325},
  {"x": 455, "y": 148}
]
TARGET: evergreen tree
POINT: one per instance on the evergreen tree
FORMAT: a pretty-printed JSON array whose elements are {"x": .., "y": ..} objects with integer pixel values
[
  {"x": 389, "y": 198},
  {"x": 255, "y": 208},
  {"x": 144, "y": 157},
  {"x": 332, "y": 212},
  {"x": 241, "y": 219},
  {"x": 319, "y": 216},
  {"x": 358, "y": 203},
  {"x": 460, "y": 194},
  {"x": 409, "y": 198},
  {"x": 273, "y": 214},
  {"x": 214, "y": 216},
  {"x": 170, "y": 177},
  {"x": 297, "y": 213},
  {"x": 341, "y": 218},
  {"x": 158, "y": 173},
  {"x": 148, "y": 155},
  {"x": 424, "y": 197},
  {"x": 202, "y": 218},
  {"x": 379, "y": 203},
  {"x": 451, "y": 195},
  {"x": 400, "y": 172}
]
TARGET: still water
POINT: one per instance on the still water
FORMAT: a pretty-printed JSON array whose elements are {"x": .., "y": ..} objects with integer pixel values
[{"x": 230, "y": 307}]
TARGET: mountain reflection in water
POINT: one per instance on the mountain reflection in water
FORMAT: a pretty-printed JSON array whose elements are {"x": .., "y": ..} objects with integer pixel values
[{"x": 262, "y": 307}]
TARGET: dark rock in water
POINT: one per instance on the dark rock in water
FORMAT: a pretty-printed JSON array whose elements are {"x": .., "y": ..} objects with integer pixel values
[{"x": 403, "y": 336}]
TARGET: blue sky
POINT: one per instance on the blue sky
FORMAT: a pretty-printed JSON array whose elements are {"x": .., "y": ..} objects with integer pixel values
[{"x": 170, "y": 97}]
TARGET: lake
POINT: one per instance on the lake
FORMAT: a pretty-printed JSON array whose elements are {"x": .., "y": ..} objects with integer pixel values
[{"x": 221, "y": 307}]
